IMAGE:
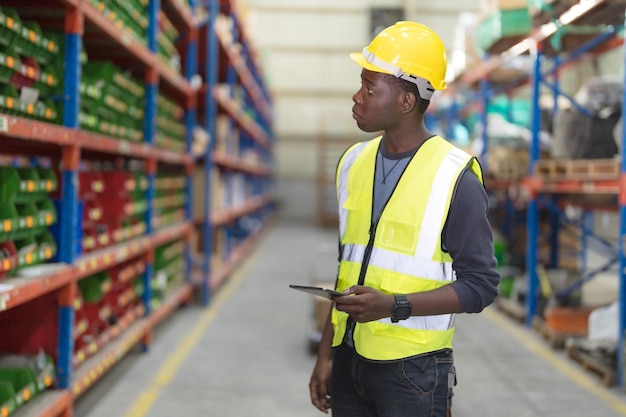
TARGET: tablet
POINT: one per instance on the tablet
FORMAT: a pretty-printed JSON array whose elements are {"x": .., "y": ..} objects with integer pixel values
[{"x": 319, "y": 291}]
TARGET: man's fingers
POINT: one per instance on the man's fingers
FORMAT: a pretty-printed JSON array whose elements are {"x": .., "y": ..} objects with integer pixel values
[{"x": 319, "y": 397}]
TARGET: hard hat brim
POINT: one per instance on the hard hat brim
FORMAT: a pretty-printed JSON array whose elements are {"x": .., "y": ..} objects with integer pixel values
[{"x": 359, "y": 59}]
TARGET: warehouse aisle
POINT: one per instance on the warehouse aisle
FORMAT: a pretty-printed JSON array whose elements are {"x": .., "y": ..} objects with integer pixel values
[{"x": 247, "y": 355}]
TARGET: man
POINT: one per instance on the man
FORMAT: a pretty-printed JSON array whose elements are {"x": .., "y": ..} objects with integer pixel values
[{"x": 415, "y": 243}]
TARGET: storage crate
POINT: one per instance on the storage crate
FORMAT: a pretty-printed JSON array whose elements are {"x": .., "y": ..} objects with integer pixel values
[
  {"x": 502, "y": 29},
  {"x": 93, "y": 288},
  {"x": 8, "y": 403},
  {"x": 9, "y": 63},
  {"x": 10, "y": 26},
  {"x": 8, "y": 259},
  {"x": 9, "y": 220},
  {"x": 24, "y": 383}
]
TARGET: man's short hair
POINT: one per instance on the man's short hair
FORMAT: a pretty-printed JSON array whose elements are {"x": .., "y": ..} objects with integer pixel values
[{"x": 408, "y": 87}]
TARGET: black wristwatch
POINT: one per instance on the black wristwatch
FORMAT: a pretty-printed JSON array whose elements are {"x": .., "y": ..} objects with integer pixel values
[{"x": 401, "y": 310}]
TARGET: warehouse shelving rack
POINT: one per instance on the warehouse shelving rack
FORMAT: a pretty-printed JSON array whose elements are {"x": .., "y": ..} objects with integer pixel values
[
  {"x": 536, "y": 191},
  {"x": 85, "y": 25},
  {"x": 235, "y": 90}
]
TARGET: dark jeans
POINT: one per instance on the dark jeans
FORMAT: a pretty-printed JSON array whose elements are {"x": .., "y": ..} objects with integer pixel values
[{"x": 416, "y": 387}]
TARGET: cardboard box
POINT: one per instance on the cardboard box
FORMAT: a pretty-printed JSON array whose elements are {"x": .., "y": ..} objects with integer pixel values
[{"x": 568, "y": 320}]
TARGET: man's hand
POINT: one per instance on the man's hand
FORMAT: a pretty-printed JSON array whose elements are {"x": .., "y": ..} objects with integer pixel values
[
  {"x": 364, "y": 303},
  {"x": 318, "y": 386}
]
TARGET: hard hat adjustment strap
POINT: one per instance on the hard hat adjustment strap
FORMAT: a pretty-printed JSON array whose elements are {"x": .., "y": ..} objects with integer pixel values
[{"x": 424, "y": 87}]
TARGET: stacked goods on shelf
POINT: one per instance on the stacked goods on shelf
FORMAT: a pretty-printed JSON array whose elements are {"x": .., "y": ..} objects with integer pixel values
[
  {"x": 166, "y": 38},
  {"x": 503, "y": 23},
  {"x": 111, "y": 208},
  {"x": 127, "y": 16},
  {"x": 26, "y": 214},
  {"x": 607, "y": 13},
  {"x": 112, "y": 102},
  {"x": 170, "y": 130},
  {"x": 28, "y": 80},
  {"x": 170, "y": 200},
  {"x": 169, "y": 267},
  {"x": 93, "y": 232},
  {"x": 125, "y": 204},
  {"x": 226, "y": 137},
  {"x": 106, "y": 304},
  {"x": 220, "y": 248},
  {"x": 22, "y": 377}
]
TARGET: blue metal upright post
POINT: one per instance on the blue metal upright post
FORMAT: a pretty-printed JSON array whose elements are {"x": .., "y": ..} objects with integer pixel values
[
  {"x": 532, "y": 220},
  {"x": 191, "y": 67},
  {"x": 149, "y": 133},
  {"x": 229, "y": 183},
  {"x": 622, "y": 235},
  {"x": 69, "y": 214},
  {"x": 211, "y": 80}
]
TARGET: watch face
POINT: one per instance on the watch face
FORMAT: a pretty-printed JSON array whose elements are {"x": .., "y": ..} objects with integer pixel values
[
  {"x": 401, "y": 309},
  {"x": 402, "y": 312}
]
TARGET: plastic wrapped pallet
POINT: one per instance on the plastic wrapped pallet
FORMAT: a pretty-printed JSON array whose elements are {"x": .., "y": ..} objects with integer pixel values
[{"x": 591, "y": 135}]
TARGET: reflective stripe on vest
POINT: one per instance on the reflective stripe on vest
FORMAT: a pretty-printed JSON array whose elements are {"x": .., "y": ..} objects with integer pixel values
[{"x": 406, "y": 255}]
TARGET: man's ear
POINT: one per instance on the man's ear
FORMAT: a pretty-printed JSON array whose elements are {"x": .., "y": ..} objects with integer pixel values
[{"x": 409, "y": 101}]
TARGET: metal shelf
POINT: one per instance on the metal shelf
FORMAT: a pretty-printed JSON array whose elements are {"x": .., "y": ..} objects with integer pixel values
[{"x": 533, "y": 190}]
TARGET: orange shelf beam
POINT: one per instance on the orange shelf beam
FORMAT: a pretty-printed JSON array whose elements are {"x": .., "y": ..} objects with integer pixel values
[
  {"x": 232, "y": 162},
  {"x": 16, "y": 291},
  {"x": 50, "y": 403},
  {"x": 29, "y": 130},
  {"x": 244, "y": 74}
]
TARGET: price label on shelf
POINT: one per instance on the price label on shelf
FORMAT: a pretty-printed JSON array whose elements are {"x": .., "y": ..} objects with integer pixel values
[
  {"x": 126, "y": 39},
  {"x": 123, "y": 148}
]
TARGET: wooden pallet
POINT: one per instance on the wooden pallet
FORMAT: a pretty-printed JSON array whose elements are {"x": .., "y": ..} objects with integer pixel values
[
  {"x": 577, "y": 169},
  {"x": 607, "y": 373}
]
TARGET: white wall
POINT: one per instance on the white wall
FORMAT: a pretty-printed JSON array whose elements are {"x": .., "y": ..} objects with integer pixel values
[{"x": 304, "y": 45}]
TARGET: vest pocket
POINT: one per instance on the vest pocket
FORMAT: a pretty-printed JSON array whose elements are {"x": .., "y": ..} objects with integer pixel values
[
  {"x": 415, "y": 337},
  {"x": 356, "y": 219},
  {"x": 397, "y": 236}
]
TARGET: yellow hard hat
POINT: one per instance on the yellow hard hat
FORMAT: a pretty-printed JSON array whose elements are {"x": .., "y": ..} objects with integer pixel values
[{"x": 410, "y": 51}]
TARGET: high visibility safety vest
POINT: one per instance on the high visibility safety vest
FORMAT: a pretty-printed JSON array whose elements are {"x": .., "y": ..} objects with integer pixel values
[{"x": 401, "y": 253}]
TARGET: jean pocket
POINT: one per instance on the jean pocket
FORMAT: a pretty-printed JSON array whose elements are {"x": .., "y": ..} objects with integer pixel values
[{"x": 420, "y": 374}]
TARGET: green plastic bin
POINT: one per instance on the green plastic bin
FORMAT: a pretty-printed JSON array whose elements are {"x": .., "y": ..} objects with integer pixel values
[
  {"x": 10, "y": 26},
  {"x": 9, "y": 63},
  {"x": 24, "y": 383},
  {"x": 47, "y": 246},
  {"x": 9, "y": 220},
  {"x": 94, "y": 287},
  {"x": 7, "y": 398},
  {"x": 502, "y": 24}
]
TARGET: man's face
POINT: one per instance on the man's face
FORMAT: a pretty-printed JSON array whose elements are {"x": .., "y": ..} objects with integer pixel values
[{"x": 375, "y": 103}]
